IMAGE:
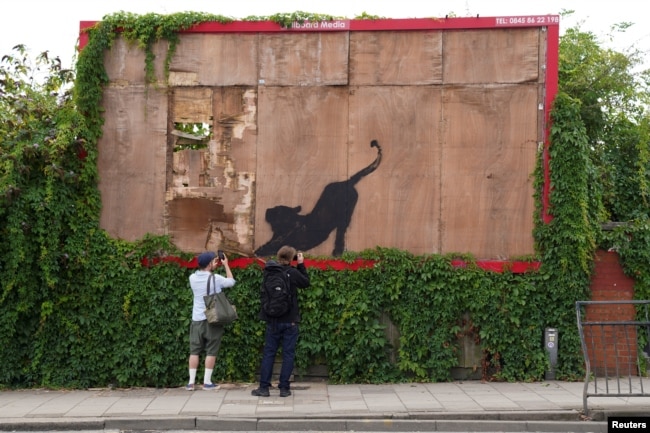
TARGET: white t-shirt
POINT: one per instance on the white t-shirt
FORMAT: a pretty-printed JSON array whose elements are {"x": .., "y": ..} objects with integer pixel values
[{"x": 199, "y": 285}]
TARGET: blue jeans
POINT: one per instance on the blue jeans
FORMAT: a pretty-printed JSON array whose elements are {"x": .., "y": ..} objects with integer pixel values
[{"x": 276, "y": 334}]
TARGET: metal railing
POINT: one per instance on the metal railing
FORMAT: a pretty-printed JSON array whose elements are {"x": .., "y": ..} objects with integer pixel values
[{"x": 616, "y": 351}]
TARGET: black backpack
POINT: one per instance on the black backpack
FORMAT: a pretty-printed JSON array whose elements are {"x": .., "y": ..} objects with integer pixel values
[{"x": 276, "y": 292}]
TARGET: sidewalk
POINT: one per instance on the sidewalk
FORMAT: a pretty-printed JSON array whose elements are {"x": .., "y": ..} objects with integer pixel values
[{"x": 550, "y": 406}]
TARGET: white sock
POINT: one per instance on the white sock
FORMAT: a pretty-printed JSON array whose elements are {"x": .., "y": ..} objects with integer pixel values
[
  {"x": 207, "y": 378},
  {"x": 192, "y": 375}
]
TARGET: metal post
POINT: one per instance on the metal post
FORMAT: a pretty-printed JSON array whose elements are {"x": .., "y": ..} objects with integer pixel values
[{"x": 550, "y": 342}]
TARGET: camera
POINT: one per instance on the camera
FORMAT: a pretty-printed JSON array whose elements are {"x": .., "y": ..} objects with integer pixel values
[{"x": 220, "y": 255}]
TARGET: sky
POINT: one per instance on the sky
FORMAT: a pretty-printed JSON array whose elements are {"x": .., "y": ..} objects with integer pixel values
[{"x": 53, "y": 25}]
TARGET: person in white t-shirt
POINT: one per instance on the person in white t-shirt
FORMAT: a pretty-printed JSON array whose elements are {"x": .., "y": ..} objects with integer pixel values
[{"x": 204, "y": 336}]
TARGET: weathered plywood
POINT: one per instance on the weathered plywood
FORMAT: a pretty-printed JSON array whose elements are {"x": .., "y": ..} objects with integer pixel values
[
  {"x": 235, "y": 159},
  {"x": 211, "y": 197},
  {"x": 490, "y": 56},
  {"x": 408, "y": 58},
  {"x": 132, "y": 161},
  {"x": 192, "y": 105},
  {"x": 302, "y": 149},
  {"x": 124, "y": 62},
  {"x": 304, "y": 59},
  {"x": 235, "y": 125},
  {"x": 188, "y": 169},
  {"x": 488, "y": 157},
  {"x": 194, "y": 222},
  {"x": 399, "y": 203},
  {"x": 215, "y": 60},
  {"x": 456, "y": 114}
]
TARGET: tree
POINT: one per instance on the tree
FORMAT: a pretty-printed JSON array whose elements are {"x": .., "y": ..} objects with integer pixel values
[
  {"x": 49, "y": 203},
  {"x": 614, "y": 98}
]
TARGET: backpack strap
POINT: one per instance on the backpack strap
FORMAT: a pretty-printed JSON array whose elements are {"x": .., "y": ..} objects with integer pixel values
[{"x": 287, "y": 272}]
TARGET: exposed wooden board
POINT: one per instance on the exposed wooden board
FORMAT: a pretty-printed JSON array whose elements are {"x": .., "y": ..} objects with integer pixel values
[
  {"x": 132, "y": 161},
  {"x": 192, "y": 105},
  {"x": 491, "y": 56},
  {"x": 304, "y": 59},
  {"x": 215, "y": 60},
  {"x": 399, "y": 203},
  {"x": 488, "y": 158},
  {"x": 235, "y": 129},
  {"x": 218, "y": 181},
  {"x": 192, "y": 220},
  {"x": 233, "y": 160},
  {"x": 212, "y": 218},
  {"x": 221, "y": 218},
  {"x": 125, "y": 62},
  {"x": 301, "y": 149},
  {"x": 405, "y": 57},
  {"x": 189, "y": 168},
  {"x": 192, "y": 137},
  {"x": 541, "y": 63}
]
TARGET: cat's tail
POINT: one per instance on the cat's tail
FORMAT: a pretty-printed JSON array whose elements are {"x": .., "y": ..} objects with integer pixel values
[{"x": 372, "y": 167}]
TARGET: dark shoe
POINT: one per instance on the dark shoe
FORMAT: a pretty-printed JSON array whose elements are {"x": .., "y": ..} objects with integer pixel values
[
  {"x": 285, "y": 392},
  {"x": 260, "y": 392}
]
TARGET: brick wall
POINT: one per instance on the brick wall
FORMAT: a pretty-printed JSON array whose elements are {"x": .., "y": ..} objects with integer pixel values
[{"x": 611, "y": 349}]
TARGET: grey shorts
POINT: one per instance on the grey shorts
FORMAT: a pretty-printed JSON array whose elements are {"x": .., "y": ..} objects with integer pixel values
[{"x": 206, "y": 337}]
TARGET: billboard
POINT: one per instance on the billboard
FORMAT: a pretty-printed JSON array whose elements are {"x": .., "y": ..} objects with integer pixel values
[{"x": 333, "y": 136}]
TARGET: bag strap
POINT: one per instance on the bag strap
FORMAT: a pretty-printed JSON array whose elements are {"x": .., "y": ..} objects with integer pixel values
[{"x": 210, "y": 278}]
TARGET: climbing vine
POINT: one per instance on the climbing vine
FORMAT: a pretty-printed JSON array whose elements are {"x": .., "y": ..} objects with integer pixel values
[{"x": 82, "y": 309}]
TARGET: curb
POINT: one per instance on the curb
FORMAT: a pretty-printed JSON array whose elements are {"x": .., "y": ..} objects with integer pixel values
[{"x": 559, "y": 422}]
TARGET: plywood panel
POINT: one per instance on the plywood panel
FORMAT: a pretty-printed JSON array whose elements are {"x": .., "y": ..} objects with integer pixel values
[
  {"x": 490, "y": 145},
  {"x": 132, "y": 162},
  {"x": 491, "y": 56},
  {"x": 124, "y": 62},
  {"x": 304, "y": 59},
  {"x": 301, "y": 149},
  {"x": 399, "y": 203},
  {"x": 410, "y": 58},
  {"x": 455, "y": 113},
  {"x": 215, "y": 60}
]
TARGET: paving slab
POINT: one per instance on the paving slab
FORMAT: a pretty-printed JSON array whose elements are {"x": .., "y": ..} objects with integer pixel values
[{"x": 466, "y": 406}]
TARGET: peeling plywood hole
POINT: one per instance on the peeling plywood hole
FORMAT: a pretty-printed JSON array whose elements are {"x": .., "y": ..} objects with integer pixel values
[{"x": 192, "y": 136}]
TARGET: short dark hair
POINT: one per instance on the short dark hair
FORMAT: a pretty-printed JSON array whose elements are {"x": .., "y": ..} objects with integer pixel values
[{"x": 286, "y": 255}]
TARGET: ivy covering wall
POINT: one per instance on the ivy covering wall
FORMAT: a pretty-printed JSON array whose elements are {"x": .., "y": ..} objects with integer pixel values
[{"x": 79, "y": 309}]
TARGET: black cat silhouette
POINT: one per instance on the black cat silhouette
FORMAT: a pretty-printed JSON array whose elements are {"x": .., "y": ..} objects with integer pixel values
[{"x": 333, "y": 211}]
